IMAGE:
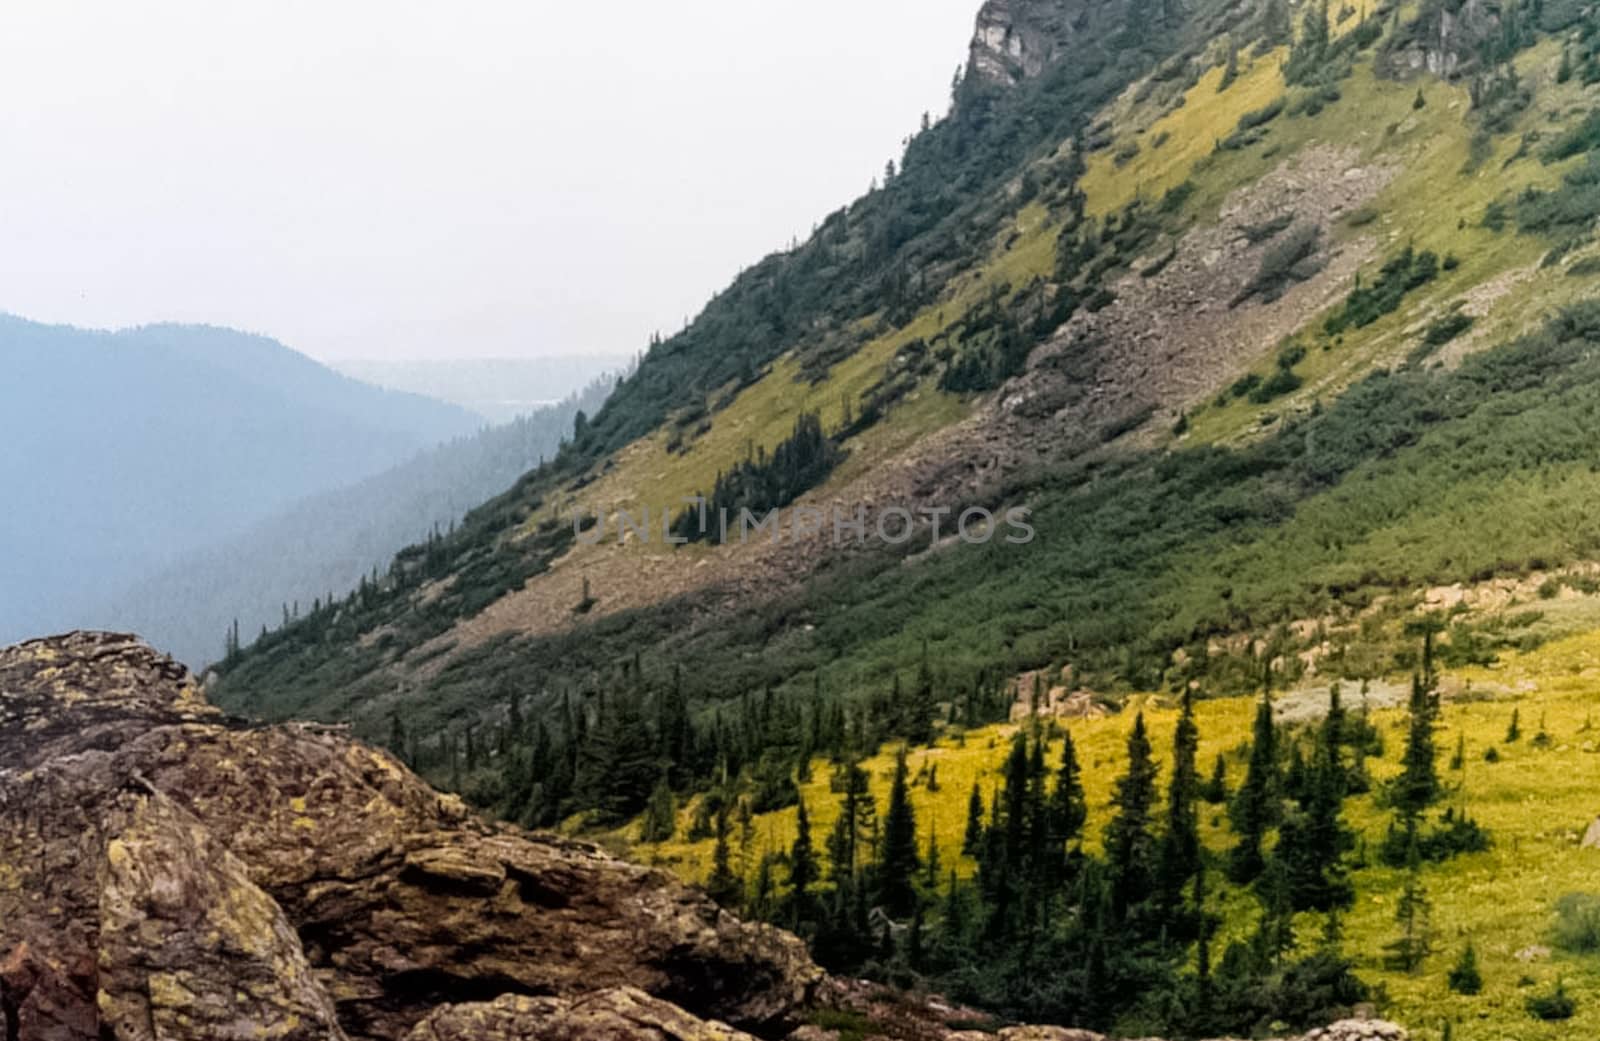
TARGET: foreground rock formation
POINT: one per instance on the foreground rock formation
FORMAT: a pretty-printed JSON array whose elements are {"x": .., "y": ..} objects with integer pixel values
[{"x": 168, "y": 873}]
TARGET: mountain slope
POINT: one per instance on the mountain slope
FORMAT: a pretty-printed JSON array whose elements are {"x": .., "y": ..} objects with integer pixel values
[
  {"x": 1278, "y": 330},
  {"x": 132, "y": 447}
]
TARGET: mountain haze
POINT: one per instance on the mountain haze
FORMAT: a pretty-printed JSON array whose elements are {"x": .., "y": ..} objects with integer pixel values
[
  {"x": 500, "y": 389},
  {"x": 329, "y": 543},
  {"x": 125, "y": 449}
]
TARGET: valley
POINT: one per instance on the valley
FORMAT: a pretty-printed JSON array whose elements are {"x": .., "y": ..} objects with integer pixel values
[{"x": 1278, "y": 324}]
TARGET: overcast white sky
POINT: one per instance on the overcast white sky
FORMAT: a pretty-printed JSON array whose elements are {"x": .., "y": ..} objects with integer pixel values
[{"x": 410, "y": 180}]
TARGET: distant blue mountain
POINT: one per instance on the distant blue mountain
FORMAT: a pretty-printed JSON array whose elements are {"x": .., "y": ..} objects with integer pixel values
[
  {"x": 326, "y": 543},
  {"x": 122, "y": 451}
]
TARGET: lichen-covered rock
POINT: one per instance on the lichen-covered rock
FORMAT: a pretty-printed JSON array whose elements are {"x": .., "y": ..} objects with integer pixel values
[
  {"x": 337, "y": 875},
  {"x": 189, "y": 946},
  {"x": 615, "y": 1014}
]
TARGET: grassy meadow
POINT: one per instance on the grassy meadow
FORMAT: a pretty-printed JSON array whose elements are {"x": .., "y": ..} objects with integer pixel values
[{"x": 1536, "y": 801}]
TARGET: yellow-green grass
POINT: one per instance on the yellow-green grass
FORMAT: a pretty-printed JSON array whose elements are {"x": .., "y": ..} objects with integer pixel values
[
  {"x": 1535, "y": 802},
  {"x": 1192, "y": 132}
]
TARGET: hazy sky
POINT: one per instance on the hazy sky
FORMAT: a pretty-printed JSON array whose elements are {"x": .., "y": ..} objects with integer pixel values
[{"x": 397, "y": 179}]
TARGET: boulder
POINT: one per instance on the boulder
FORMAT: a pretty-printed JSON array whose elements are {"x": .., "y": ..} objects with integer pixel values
[{"x": 614, "y": 1014}]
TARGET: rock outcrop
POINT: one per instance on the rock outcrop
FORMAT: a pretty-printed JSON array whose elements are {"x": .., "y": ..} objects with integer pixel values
[
  {"x": 166, "y": 872},
  {"x": 1016, "y": 40},
  {"x": 615, "y": 1014},
  {"x": 1444, "y": 40}
]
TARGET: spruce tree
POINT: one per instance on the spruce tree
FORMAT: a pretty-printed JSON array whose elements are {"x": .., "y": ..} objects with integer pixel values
[
  {"x": 1413, "y": 914},
  {"x": 1179, "y": 858},
  {"x": 760, "y": 903},
  {"x": 803, "y": 870},
  {"x": 972, "y": 842},
  {"x": 1256, "y": 806},
  {"x": 1130, "y": 848},
  {"x": 661, "y": 814},
  {"x": 1313, "y": 840},
  {"x": 898, "y": 862},
  {"x": 722, "y": 885},
  {"x": 1215, "y": 790},
  {"x": 674, "y": 731},
  {"x": 1465, "y": 977},
  {"x": 1418, "y": 784},
  {"x": 855, "y": 823},
  {"x": 1068, "y": 808}
]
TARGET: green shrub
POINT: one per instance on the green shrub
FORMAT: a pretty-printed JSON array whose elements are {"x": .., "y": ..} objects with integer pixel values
[
  {"x": 1556, "y": 1005},
  {"x": 1584, "y": 137},
  {"x": 1402, "y": 273},
  {"x": 1465, "y": 977},
  {"x": 1567, "y": 211},
  {"x": 1445, "y": 329},
  {"x": 1577, "y": 928},
  {"x": 1263, "y": 115}
]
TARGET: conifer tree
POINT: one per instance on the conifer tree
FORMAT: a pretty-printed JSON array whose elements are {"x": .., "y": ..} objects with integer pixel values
[
  {"x": 1464, "y": 977},
  {"x": 1418, "y": 784},
  {"x": 1313, "y": 839},
  {"x": 1275, "y": 932},
  {"x": 1514, "y": 731},
  {"x": 1256, "y": 807},
  {"x": 898, "y": 863},
  {"x": 1068, "y": 808},
  {"x": 1215, "y": 790},
  {"x": 674, "y": 731},
  {"x": 618, "y": 765},
  {"x": 722, "y": 885},
  {"x": 802, "y": 862},
  {"x": 854, "y": 824},
  {"x": 661, "y": 813},
  {"x": 760, "y": 904},
  {"x": 972, "y": 842},
  {"x": 1179, "y": 858},
  {"x": 1413, "y": 913},
  {"x": 397, "y": 736},
  {"x": 1129, "y": 845}
]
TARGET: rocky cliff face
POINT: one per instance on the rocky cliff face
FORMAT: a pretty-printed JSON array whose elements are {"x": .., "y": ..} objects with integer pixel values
[
  {"x": 166, "y": 873},
  {"x": 1444, "y": 40},
  {"x": 1017, "y": 39}
]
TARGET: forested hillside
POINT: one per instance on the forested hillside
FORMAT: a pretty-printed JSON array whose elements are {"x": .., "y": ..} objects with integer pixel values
[{"x": 1277, "y": 325}]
